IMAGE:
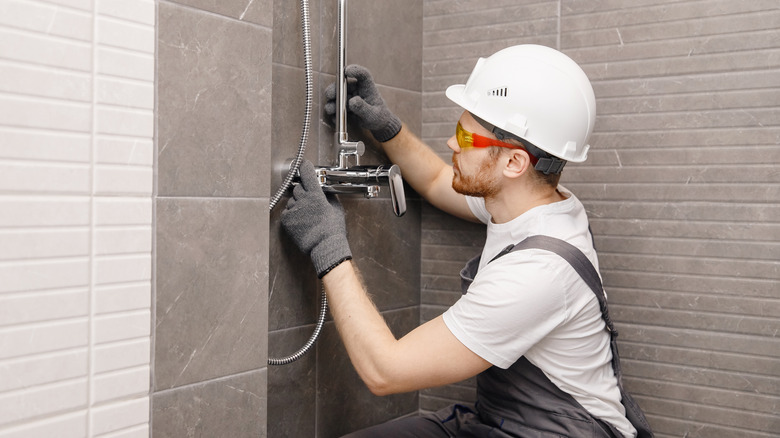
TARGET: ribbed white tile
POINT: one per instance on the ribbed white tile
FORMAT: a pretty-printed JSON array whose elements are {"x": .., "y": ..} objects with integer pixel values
[
  {"x": 43, "y": 243},
  {"x": 41, "y": 177},
  {"x": 123, "y": 211},
  {"x": 117, "y": 416},
  {"x": 123, "y": 297},
  {"x": 33, "y": 144},
  {"x": 77, "y": 105},
  {"x": 121, "y": 121},
  {"x": 29, "y": 112},
  {"x": 43, "y": 400},
  {"x": 42, "y": 338},
  {"x": 123, "y": 269},
  {"x": 72, "y": 425},
  {"x": 45, "y": 274},
  {"x": 46, "y": 19},
  {"x": 23, "y": 46},
  {"x": 45, "y": 82},
  {"x": 125, "y": 64},
  {"x": 28, "y": 307},
  {"x": 120, "y": 327},
  {"x": 124, "y": 180},
  {"x": 116, "y": 150},
  {"x": 123, "y": 354},
  {"x": 139, "y": 11},
  {"x": 126, "y": 35},
  {"x": 140, "y": 431},
  {"x": 32, "y": 211},
  {"x": 125, "y": 92},
  {"x": 114, "y": 241},
  {"x": 85, "y": 5},
  {"x": 121, "y": 384},
  {"x": 31, "y": 371}
]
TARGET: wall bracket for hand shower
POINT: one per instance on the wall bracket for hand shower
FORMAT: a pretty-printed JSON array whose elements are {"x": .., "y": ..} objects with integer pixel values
[{"x": 355, "y": 178}]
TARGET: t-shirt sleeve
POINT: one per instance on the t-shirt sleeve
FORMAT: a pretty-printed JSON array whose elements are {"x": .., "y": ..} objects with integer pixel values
[{"x": 512, "y": 304}]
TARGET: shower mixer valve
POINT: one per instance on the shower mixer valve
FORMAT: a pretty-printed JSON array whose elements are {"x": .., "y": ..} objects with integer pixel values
[{"x": 366, "y": 180}]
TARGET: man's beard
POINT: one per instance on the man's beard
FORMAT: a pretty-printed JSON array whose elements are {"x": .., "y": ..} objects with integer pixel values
[{"x": 481, "y": 185}]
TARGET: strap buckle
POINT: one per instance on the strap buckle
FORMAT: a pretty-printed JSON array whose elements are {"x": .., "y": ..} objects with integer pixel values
[{"x": 548, "y": 165}]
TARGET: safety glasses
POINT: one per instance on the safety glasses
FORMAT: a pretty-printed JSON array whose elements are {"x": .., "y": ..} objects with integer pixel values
[{"x": 468, "y": 139}]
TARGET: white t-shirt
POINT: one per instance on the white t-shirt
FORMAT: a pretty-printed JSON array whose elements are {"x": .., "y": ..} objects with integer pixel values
[{"x": 532, "y": 303}]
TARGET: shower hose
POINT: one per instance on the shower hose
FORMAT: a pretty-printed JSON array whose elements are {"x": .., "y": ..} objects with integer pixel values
[{"x": 287, "y": 183}]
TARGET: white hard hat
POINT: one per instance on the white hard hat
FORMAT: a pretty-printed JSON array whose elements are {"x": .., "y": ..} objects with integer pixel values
[{"x": 535, "y": 93}]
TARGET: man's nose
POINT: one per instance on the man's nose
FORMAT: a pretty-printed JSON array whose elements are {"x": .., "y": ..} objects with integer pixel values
[{"x": 452, "y": 143}]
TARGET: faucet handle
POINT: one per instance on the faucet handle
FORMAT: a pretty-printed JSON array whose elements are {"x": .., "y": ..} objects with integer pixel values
[{"x": 397, "y": 195}]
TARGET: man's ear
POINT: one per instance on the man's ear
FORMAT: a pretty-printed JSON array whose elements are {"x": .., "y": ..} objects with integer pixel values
[{"x": 518, "y": 164}]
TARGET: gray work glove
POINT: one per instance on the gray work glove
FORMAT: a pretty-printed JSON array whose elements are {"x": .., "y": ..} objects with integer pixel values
[
  {"x": 316, "y": 223},
  {"x": 365, "y": 102}
]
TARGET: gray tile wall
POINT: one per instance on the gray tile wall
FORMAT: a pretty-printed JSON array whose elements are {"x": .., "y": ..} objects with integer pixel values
[
  {"x": 213, "y": 179},
  {"x": 321, "y": 395},
  {"x": 683, "y": 196},
  {"x": 681, "y": 186}
]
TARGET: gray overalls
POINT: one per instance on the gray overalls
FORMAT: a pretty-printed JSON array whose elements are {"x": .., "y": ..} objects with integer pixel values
[{"x": 521, "y": 402}]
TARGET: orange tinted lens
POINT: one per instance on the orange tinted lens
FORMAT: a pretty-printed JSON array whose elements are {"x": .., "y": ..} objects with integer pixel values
[{"x": 465, "y": 140}]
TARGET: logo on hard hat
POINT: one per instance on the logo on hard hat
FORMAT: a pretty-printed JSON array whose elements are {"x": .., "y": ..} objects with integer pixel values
[{"x": 498, "y": 92}]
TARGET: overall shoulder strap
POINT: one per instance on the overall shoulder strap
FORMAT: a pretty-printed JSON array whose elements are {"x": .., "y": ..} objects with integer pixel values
[
  {"x": 587, "y": 271},
  {"x": 577, "y": 260}
]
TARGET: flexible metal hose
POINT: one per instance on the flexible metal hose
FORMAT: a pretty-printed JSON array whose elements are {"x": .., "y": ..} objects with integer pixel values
[
  {"x": 307, "y": 346},
  {"x": 288, "y": 180},
  {"x": 306, "y": 28}
]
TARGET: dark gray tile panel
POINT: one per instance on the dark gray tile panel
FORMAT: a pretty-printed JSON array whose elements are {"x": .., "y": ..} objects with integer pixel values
[
  {"x": 214, "y": 104},
  {"x": 292, "y": 388},
  {"x": 212, "y": 288},
  {"x": 232, "y": 407}
]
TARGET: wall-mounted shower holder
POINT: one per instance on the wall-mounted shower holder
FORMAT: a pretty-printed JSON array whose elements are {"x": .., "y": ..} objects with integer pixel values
[
  {"x": 365, "y": 180},
  {"x": 348, "y": 150}
]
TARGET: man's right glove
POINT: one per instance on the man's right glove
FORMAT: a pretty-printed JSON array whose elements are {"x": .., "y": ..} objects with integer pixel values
[
  {"x": 316, "y": 223},
  {"x": 365, "y": 102}
]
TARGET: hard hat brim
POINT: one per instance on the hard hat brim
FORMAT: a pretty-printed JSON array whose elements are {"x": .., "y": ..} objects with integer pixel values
[{"x": 457, "y": 94}]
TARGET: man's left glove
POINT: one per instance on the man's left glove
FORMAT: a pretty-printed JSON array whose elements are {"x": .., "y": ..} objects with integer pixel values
[
  {"x": 365, "y": 102},
  {"x": 316, "y": 223}
]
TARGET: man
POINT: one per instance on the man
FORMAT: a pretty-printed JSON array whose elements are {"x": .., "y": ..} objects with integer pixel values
[{"x": 527, "y": 325}]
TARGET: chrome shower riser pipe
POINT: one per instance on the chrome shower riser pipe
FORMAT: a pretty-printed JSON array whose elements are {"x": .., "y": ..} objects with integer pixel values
[{"x": 347, "y": 148}]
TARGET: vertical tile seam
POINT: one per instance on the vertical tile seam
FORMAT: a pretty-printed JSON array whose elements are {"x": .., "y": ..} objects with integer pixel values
[
  {"x": 92, "y": 222},
  {"x": 155, "y": 192}
]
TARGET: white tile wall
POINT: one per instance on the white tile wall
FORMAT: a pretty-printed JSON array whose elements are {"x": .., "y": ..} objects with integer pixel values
[{"x": 76, "y": 181}]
